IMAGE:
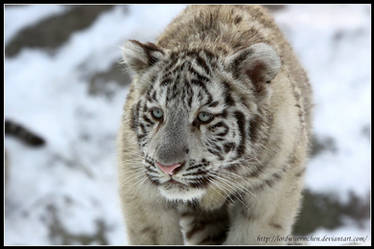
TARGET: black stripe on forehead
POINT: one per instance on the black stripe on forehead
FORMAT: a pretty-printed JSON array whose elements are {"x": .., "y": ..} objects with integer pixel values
[
  {"x": 172, "y": 92},
  {"x": 169, "y": 78},
  {"x": 150, "y": 91},
  {"x": 229, "y": 101},
  {"x": 199, "y": 76},
  {"x": 200, "y": 62},
  {"x": 151, "y": 94},
  {"x": 203, "y": 64},
  {"x": 204, "y": 88},
  {"x": 209, "y": 55},
  {"x": 189, "y": 93}
]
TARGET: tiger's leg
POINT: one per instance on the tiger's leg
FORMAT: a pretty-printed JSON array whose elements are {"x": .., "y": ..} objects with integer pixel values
[
  {"x": 148, "y": 224},
  {"x": 203, "y": 227},
  {"x": 269, "y": 217}
]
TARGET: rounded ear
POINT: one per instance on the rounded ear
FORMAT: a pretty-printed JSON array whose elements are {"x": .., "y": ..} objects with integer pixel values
[
  {"x": 259, "y": 63},
  {"x": 138, "y": 56}
]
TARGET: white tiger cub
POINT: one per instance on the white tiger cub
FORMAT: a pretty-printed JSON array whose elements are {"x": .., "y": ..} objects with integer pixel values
[{"x": 215, "y": 132}]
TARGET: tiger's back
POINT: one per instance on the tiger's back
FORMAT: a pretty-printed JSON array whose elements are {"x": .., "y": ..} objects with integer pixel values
[{"x": 217, "y": 125}]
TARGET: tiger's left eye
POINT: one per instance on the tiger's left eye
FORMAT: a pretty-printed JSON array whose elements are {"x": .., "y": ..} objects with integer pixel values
[
  {"x": 205, "y": 117},
  {"x": 157, "y": 113}
]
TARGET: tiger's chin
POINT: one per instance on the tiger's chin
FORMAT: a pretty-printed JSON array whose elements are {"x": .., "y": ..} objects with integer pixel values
[{"x": 177, "y": 193}]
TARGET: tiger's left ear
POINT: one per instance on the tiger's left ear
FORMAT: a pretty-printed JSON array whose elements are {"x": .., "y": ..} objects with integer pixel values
[
  {"x": 138, "y": 57},
  {"x": 259, "y": 63}
]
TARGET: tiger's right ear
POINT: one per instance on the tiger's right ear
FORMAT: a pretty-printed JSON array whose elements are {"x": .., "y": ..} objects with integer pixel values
[{"x": 138, "y": 56}]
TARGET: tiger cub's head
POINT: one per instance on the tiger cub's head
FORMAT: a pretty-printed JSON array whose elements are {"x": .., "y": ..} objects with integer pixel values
[{"x": 193, "y": 112}]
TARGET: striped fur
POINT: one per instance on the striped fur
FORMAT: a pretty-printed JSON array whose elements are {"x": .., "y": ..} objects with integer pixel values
[{"x": 246, "y": 161}]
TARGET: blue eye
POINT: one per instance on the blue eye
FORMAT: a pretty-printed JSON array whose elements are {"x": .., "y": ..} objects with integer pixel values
[
  {"x": 205, "y": 117},
  {"x": 157, "y": 113}
]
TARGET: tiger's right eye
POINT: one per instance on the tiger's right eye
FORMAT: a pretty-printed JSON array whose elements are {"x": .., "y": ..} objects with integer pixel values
[{"x": 157, "y": 113}]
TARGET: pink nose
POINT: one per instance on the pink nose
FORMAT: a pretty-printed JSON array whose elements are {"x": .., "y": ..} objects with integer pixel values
[{"x": 168, "y": 169}]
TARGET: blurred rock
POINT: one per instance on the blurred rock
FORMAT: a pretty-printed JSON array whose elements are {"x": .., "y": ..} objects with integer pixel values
[
  {"x": 101, "y": 82},
  {"x": 327, "y": 211},
  {"x": 322, "y": 144},
  {"x": 52, "y": 32}
]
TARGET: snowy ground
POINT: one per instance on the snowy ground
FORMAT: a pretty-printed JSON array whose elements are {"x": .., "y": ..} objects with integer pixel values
[{"x": 66, "y": 192}]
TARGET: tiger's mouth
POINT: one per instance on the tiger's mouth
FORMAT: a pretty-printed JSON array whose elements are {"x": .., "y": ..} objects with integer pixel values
[
  {"x": 173, "y": 184},
  {"x": 174, "y": 190},
  {"x": 172, "y": 181},
  {"x": 180, "y": 182}
]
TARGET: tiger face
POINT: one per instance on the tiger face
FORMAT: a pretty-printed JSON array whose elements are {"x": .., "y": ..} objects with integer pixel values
[{"x": 191, "y": 123}]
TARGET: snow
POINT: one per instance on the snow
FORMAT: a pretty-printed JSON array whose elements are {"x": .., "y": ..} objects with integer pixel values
[
  {"x": 349, "y": 234},
  {"x": 49, "y": 93}
]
